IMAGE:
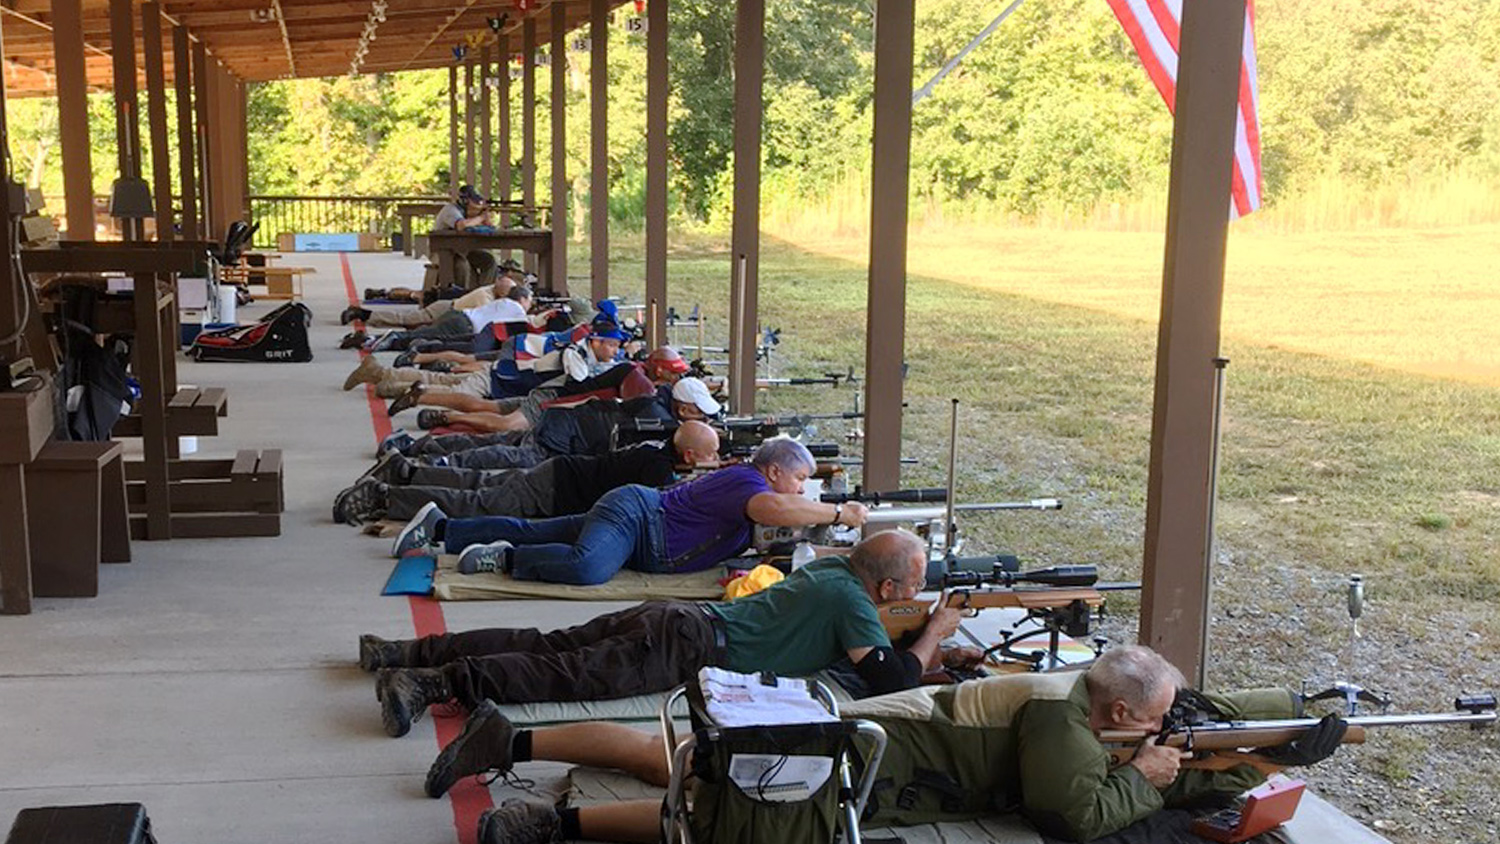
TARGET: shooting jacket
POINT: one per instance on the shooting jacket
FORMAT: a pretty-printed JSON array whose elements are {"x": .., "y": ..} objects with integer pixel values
[{"x": 1022, "y": 743}]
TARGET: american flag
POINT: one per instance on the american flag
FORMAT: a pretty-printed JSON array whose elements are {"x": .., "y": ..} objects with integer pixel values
[{"x": 1152, "y": 26}]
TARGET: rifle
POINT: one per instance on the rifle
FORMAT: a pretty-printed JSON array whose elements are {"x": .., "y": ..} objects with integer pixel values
[
  {"x": 972, "y": 591},
  {"x": 886, "y": 515},
  {"x": 900, "y": 495},
  {"x": 1217, "y": 745}
]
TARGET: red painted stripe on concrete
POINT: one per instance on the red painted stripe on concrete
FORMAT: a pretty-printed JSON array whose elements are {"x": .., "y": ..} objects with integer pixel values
[{"x": 469, "y": 799}]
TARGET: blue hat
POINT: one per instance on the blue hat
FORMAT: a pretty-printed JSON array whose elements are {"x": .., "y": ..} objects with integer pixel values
[
  {"x": 608, "y": 331},
  {"x": 608, "y": 311}
]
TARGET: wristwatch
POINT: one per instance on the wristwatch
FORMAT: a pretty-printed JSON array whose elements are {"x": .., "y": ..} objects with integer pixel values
[{"x": 838, "y": 513}]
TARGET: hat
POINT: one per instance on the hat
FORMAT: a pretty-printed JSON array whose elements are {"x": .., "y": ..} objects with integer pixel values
[
  {"x": 469, "y": 194},
  {"x": 608, "y": 311},
  {"x": 510, "y": 265},
  {"x": 695, "y": 392},
  {"x": 608, "y": 331},
  {"x": 667, "y": 358}
]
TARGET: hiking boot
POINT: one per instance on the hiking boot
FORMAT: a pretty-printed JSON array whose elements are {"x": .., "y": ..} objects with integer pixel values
[
  {"x": 520, "y": 822},
  {"x": 405, "y": 693},
  {"x": 407, "y": 400},
  {"x": 363, "y": 502},
  {"x": 369, "y": 371},
  {"x": 483, "y": 746},
  {"x": 353, "y": 340},
  {"x": 396, "y": 441},
  {"x": 405, "y": 359},
  {"x": 352, "y": 313},
  {"x": 394, "y": 469},
  {"x": 432, "y": 417},
  {"x": 417, "y": 535},
  {"x": 493, "y": 556},
  {"x": 374, "y": 293},
  {"x": 376, "y": 653}
]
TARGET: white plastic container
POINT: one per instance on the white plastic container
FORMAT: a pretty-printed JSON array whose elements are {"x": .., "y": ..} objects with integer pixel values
[{"x": 226, "y": 303}]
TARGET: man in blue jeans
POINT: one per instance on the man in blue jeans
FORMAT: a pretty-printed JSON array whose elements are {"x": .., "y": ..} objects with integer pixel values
[{"x": 687, "y": 528}]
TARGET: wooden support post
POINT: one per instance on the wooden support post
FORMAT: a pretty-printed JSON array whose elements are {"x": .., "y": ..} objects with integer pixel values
[
  {"x": 127, "y": 123},
  {"x": 73, "y": 118},
  {"x": 502, "y": 98},
  {"x": 156, "y": 113},
  {"x": 242, "y": 158},
  {"x": 599, "y": 158},
  {"x": 182, "y": 68},
  {"x": 528, "y": 127},
  {"x": 486, "y": 141},
  {"x": 1175, "y": 577},
  {"x": 152, "y": 406},
  {"x": 885, "y": 315},
  {"x": 656, "y": 168},
  {"x": 744, "y": 251},
  {"x": 200, "y": 122},
  {"x": 213, "y": 160},
  {"x": 559, "y": 220},
  {"x": 453, "y": 174},
  {"x": 15, "y": 540},
  {"x": 469, "y": 120}
]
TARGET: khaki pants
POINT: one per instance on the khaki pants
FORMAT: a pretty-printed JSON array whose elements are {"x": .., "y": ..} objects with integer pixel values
[{"x": 409, "y": 317}]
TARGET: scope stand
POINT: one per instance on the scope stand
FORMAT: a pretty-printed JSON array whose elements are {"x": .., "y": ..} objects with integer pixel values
[
  {"x": 1352, "y": 695},
  {"x": 1075, "y": 620}
]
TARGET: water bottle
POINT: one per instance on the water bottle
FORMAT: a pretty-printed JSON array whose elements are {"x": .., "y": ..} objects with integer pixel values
[{"x": 803, "y": 555}]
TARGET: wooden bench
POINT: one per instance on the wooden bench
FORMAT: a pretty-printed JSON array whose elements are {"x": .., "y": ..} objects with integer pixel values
[
  {"x": 239, "y": 497},
  {"x": 76, "y": 516},
  {"x": 192, "y": 411}
]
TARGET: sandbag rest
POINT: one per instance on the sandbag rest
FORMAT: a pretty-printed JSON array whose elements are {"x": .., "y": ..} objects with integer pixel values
[
  {"x": 211, "y": 498},
  {"x": 190, "y": 412}
]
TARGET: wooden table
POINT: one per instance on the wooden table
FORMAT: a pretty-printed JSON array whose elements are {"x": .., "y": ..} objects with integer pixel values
[
  {"x": 406, "y": 211},
  {"x": 445, "y": 244}
]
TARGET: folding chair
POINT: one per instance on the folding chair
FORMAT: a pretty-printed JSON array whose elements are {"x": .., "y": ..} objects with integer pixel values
[{"x": 766, "y": 783}]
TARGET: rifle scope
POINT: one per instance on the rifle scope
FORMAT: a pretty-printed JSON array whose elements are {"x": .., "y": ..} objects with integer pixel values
[
  {"x": 1050, "y": 576},
  {"x": 901, "y": 495}
]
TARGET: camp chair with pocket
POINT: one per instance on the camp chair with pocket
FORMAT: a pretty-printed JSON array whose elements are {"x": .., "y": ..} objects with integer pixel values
[{"x": 764, "y": 783}]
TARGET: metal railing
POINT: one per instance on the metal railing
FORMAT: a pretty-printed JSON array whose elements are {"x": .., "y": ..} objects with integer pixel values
[{"x": 375, "y": 215}]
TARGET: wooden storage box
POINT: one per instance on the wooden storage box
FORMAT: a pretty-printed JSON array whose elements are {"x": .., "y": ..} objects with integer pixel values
[{"x": 25, "y": 423}]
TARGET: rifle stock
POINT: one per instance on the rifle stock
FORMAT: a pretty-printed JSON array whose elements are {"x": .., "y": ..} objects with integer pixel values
[{"x": 902, "y": 617}]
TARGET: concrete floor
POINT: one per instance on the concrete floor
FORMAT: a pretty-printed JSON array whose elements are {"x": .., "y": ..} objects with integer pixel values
[{"x": 214, "y": 680}]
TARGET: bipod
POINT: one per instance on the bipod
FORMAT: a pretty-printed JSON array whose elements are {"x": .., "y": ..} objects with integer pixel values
[{"x": 1352, "y": 695}]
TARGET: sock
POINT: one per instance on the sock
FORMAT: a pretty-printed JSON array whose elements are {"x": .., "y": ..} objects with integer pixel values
[
  {"x": 439, "y": 531},
  {"x": 520, "y": 746},
  {"x": 364, "y": 314},
  {"x": 569, "y": 828},
  {"x": 507, "y": 560}
]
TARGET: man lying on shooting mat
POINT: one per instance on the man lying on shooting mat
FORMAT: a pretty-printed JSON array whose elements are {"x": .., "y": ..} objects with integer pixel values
[
  {"x": 1027, "y": 743},
  {"x": 821, "y": 613}
]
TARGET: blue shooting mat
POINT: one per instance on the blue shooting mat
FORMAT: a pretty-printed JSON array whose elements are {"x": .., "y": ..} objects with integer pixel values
[{"x": 412, "y": 576}]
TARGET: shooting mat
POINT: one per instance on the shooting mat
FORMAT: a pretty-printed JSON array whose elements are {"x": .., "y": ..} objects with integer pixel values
[{"x": 449, "y": 585}]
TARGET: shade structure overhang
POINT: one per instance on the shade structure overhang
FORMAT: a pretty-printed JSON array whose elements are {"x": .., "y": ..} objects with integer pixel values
[{"x": 264, "y": 40}]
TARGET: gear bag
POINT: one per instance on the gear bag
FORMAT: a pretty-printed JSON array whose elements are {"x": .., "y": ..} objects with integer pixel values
[{"x": 280, "y": 336}]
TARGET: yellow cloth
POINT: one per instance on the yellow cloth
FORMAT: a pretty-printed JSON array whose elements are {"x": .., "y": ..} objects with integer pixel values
[{"x": 752, "y": 581}]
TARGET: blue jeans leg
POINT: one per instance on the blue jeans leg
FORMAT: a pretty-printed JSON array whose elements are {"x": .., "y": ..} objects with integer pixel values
[
  {"x": 461, "y": 533},
  {"x": 616, "y": 532}
]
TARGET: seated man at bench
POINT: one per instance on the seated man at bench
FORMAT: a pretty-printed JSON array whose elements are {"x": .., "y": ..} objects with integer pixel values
[
  {"x": 398, "y": 488},
  {"x": 821, "y": 613},
  {"x": 1025, "y": 743}
]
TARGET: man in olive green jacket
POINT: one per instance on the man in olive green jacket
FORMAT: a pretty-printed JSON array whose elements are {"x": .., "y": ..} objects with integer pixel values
[{"x": 1022, "y": 743}]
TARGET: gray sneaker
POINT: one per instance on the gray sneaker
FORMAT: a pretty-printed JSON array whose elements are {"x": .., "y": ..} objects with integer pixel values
[
  {"x": 394, "y": 469},
  {"x": 520, "y": 822},
  {"x": 363, "y": 502},
  {"x": 417, "y": 535},
  {"x": 398, "y": 440},
  {"x": 483, "y": 746},
  {"x": 494, "y": 556}
]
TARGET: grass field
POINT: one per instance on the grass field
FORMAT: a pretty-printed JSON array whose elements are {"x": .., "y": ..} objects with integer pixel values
[{"x": 1362, "y": 434}]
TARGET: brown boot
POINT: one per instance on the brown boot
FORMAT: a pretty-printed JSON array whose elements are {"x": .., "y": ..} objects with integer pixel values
[
  {"x": 376, "y": 653},
  {"x": 369, "y": 371},
  {"x": 483, "y": 746},
  {"x": 405, "y": 693}
]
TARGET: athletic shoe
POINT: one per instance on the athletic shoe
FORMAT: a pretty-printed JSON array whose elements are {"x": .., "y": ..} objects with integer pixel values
[
  {"x": 418, "y": 532},
  {"x": 394, "y": 469},
  {"x": 520, "y": 822},
  {"x": 353, "y": 340},
  {"x": 376, "y": 653},
  {"x": 369, "y": 371},
  {"x": 363, "y": 502},
  {"x": 494, "y": 556},
  {"x": 432, "y": 417},
  {"x": 386, "y": 342},
  {"x": 407, "y": 400},
  {"x": 405, "y": 359},
  {"x": 405, "y": 693},
  {"x": 396, "y": 441},
  {"x": 483, "y": 746},
  {"x": 374, "y": 293},
  {"x": 352, "y": 313}
]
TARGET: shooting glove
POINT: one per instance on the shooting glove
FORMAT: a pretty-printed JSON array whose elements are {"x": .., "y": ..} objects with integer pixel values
[{"x": 1313, "y": 746}]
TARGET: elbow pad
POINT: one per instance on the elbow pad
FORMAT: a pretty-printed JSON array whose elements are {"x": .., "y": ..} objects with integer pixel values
[{"x": 887, "y": 670}]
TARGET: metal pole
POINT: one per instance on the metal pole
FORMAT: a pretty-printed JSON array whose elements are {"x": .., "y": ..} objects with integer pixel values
[
  {"x": 948, "y": 524},
  {"x": 1209, "y": 520}
]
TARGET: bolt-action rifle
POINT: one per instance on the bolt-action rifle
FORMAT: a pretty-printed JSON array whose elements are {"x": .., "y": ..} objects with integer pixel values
[
  {"x": 972, "y": 591},
  {"x": 1222, "y": 744}
]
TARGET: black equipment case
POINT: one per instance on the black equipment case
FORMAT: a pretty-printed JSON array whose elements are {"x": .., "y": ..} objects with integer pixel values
[
  {"x": 108, "y": 823},
  {"x": 280, "y": 336}
]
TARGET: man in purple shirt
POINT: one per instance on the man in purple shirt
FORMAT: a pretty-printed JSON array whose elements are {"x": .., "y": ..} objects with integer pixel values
[{"x": 687, "y": 528}]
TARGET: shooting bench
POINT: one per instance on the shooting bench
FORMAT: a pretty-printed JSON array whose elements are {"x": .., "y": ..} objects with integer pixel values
[
  {"x": 406, "y": 211},
  {"x": 446, "y": 245},
  {"x": 164, "y": 499}
]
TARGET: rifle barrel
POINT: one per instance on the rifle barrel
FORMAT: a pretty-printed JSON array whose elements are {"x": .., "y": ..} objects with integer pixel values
[{"x": 927, "y": 514}]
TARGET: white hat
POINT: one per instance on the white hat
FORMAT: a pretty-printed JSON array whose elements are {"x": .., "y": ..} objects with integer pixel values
[{"x": 695, "y": 392}]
